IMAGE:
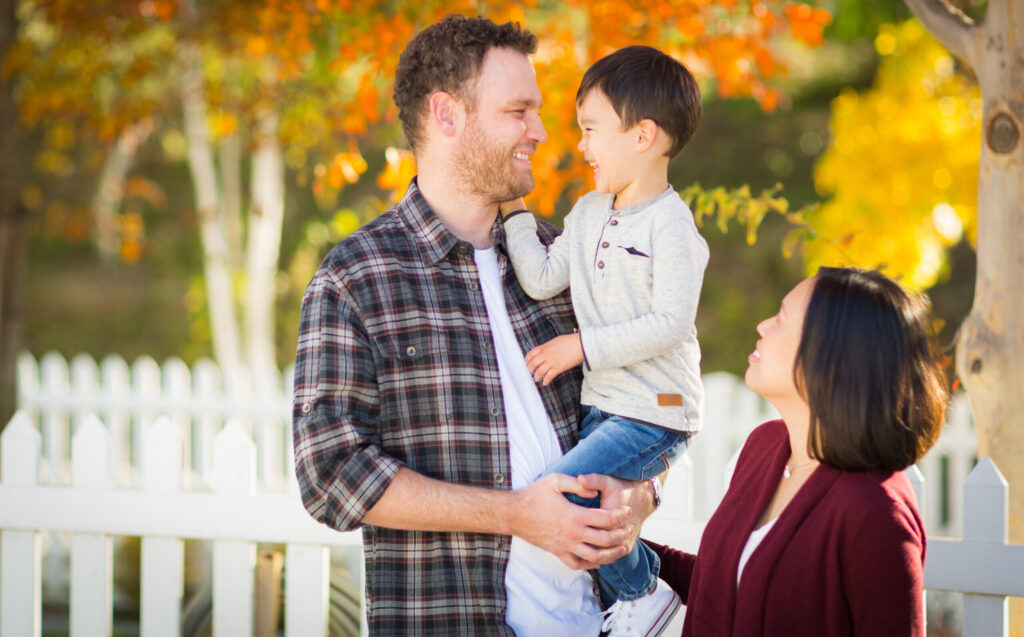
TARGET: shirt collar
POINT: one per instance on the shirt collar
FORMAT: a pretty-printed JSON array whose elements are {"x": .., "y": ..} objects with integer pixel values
[
  {"x": 430, "y": 233},
  {"x": 629, "y": 210}
]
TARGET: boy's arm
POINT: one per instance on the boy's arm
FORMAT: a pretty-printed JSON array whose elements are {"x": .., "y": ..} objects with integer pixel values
[
  {"x": 678, "y": 259},
  {"x": 542, "y": 271}
]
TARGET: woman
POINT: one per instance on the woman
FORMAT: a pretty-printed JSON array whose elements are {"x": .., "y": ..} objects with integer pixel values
[{"x": 819, "y": 533}]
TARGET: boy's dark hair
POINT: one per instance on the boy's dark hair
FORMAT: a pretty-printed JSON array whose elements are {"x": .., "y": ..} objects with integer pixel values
[
  {"x": 869, "y": 368},
  {"x": 642, "y": 83},
  {"x": 447, "y": 56}
]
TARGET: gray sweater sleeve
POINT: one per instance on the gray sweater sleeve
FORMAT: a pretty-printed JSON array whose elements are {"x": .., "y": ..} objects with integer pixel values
[
  {"x": 542, "y": 271},
  {"x": 679, "y": 257}
]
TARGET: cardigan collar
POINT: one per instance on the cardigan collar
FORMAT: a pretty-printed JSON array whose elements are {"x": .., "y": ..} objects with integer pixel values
[{"x": 767, "y": 466}]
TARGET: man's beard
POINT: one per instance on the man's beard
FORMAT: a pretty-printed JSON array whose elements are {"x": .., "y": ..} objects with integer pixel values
[{"x": 486, "y": 170}]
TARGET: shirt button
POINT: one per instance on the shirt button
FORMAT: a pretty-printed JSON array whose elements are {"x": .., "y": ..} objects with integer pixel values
[
  {"x": 473, "y": 286},
  {"x": 495, "y": 411},
  {"x": 600, "y": 265},
  {"x": 410, "y": 351},
  {"x": 487, "y": 345},
  {"x": 306, "y": 407},
  {"x": 500, "y": 545},
  {"x": 499, "y": 478},
  {"x": 604, "y": 244},
  {"x": 615, "y": 222}
]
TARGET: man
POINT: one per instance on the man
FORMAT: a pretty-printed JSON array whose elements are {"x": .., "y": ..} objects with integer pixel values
[{"x": 415, "y": 416}]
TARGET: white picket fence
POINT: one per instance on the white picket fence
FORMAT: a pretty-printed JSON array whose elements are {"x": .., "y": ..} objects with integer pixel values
[
  {"x": 108, "y": 451},
  {"x": 57, "y": 396},
  {"x": 233, "y": 516}
]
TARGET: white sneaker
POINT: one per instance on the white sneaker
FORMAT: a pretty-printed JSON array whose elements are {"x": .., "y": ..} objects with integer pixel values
[{"x": 644, "y": 617}]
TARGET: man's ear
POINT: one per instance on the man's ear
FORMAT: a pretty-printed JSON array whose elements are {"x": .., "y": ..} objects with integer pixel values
[
  {"x": 646, "y": 134},
  {"x": 446, "y": 112}
]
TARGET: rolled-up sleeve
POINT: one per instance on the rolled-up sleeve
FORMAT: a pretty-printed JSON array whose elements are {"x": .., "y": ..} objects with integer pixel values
[{"x": 339, "y": 464}]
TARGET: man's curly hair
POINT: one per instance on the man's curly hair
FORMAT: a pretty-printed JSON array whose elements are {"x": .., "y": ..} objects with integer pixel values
[{"x": 447, "y": 56}]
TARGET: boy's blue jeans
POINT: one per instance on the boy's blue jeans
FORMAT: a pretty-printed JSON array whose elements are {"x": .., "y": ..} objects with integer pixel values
[{"x": 616, "y": 446}]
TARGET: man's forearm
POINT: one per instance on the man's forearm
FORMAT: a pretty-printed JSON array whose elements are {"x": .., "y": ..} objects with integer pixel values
[
  {"x": 414, "y": 502},
  {"x": 540, "y": 514}
]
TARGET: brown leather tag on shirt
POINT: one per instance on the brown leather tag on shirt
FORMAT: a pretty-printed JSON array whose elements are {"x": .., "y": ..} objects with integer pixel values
[{"x": 670, "y": 400}]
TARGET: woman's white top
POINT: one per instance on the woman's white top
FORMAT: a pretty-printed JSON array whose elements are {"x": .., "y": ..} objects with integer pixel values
[{"x": 752, "y": 543}]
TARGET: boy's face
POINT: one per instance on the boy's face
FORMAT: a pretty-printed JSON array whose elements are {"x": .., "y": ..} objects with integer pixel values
[{"x": 609, "y": 149}]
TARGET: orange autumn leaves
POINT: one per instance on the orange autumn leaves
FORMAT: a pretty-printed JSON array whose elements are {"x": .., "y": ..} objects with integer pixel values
[
  {"x": 327, "y": 66},
  {"x": 730, "y": 46}
]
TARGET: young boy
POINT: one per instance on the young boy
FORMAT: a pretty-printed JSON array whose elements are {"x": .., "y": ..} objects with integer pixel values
[{"x": 634, "y": 261}]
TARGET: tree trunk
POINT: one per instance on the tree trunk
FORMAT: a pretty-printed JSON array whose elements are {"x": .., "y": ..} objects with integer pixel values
[
  {"x": 220, "y": 297},
  {"x": 111, "y": 187},
  {"x": 230, "y": 160},
  {"x": 13, "y": 249},
  {"x": 990, "y": 351},
  {"x": 264, "y": 245}
]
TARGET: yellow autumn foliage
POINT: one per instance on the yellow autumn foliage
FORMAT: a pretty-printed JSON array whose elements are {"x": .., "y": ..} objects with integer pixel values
[{"x": 902, "y": 166}]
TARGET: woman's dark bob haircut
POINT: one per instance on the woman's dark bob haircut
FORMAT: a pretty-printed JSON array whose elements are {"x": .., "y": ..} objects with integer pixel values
[{"x": 869, "y": 367}]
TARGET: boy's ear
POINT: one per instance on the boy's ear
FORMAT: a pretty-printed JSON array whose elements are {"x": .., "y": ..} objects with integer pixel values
[
  {"x": 647, "y": 134},
  {"x": 445, "y": 112}
]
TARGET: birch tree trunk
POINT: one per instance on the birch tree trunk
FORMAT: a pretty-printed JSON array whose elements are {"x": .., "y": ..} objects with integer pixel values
[
  {"x": 13, "y": 250},
  {"x": 219, "y": 290},
  {"x": 264, "y": 244},
  {"x": 230, "y": 160},
  {"x": 990, "y": 351},
  {"x": 110, "y": 192}
]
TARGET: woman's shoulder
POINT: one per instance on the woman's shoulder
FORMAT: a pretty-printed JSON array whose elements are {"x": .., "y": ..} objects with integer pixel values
[
  {"x": 878, "y": 497},
  {"x": 876, "y": 485}
]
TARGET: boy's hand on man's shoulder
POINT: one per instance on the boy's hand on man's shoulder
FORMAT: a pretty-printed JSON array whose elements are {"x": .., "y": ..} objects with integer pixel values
[
  {"x": 506, "y": 208},
  {"x": 549, "y": 360}
]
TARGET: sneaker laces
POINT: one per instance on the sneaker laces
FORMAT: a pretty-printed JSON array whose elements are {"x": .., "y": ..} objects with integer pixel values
[{"x": 618, "y": 619}]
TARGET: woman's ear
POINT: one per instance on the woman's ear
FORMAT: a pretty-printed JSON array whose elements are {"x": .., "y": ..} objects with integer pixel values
[{"x": 445, "y": 112}]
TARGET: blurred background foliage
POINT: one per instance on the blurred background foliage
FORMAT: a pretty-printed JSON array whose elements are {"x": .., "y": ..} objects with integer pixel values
[{"x": 838, "y": 102}]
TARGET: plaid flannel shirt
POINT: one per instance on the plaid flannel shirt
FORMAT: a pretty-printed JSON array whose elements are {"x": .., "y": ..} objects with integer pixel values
[{"x": 396, "y": 367}]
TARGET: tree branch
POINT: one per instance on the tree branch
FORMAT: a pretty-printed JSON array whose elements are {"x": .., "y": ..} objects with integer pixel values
[{"x": 949, "y": 25}]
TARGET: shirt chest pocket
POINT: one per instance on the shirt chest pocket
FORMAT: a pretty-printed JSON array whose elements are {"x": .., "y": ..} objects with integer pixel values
[
  {"x": 410, "y": 354},
  {"x": 624, "y": 286},
  {"x": 632, "y": 259}
]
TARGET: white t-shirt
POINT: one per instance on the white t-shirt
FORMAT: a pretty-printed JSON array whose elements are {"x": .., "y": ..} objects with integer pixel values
[
  {"x": 752, "y": 543},
  {"x": 545, "y": 597}
]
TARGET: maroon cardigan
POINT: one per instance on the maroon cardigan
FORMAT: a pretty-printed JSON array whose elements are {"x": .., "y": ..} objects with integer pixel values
[{"x": 846, "y": 556}]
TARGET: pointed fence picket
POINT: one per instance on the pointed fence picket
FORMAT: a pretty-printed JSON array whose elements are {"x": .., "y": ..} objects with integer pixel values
[
  {"x": 162, "y": 558},
  {"x": 981, "y": 565},
  {"x": 20, "y": 549},
  {"x": 91, "y": 553},
  {"x": 234, "y": 560}
]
